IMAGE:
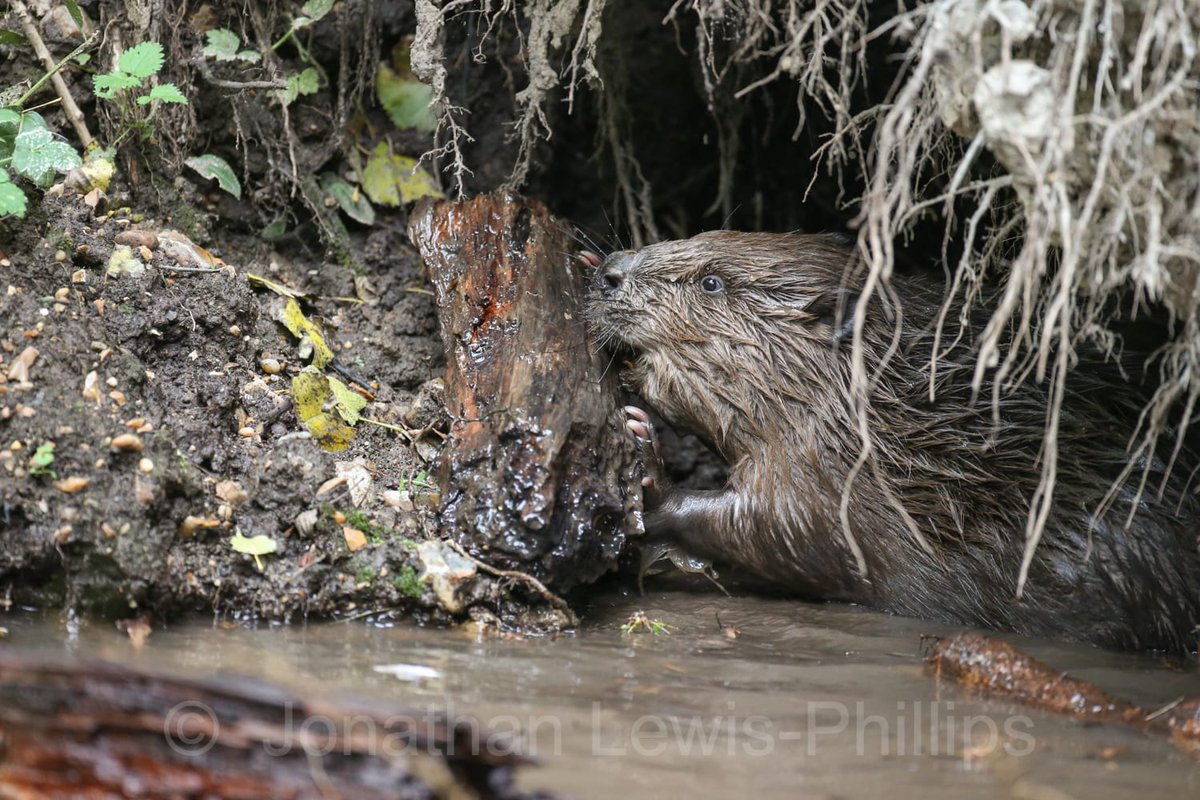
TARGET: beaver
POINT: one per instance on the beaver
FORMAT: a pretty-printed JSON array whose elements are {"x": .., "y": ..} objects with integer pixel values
[{"x": 744, "y": 338}]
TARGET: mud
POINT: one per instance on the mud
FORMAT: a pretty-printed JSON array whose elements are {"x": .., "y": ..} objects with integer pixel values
[{"x": 176, "y": 359}]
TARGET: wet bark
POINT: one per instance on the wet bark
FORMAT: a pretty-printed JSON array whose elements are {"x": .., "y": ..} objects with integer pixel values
[
  {"x": 538, "y": 474},
  {"x": 997, "y": 669},
  {"x": 98, "y": 729}
]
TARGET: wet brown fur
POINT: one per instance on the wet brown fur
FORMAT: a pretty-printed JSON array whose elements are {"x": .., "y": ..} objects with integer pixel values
[{"x": 762, "y": 370}]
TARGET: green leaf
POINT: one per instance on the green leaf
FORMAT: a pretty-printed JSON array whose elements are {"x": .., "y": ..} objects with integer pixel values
[
  {"x": 38, "y": 155},
  {"x": 406, "y": 101},
  {"x": 142, "y": 61},
  {"x": 349, "y": 198},
  {"x": 275, "y": 230},
  {"x": 11, "y": 38},
  {"x": 348, "y": 403},
  {"x": 249, "y": 55},
  {"x": 305, "y": 82},
  {"x": 73, "y": 10},
  {"x": 210, "y": 166},
  {"x": 253, "y": 545},
  {"x": 222, "y": 44},
  {"x": 10, "y": 122},
  {"x": 40, "y": 461},
  {"x": 110, "y": 83},
  {"x": 165, "y": 92},
  {"x": 316, "y": 8},
  {"x": 393, "y": 179},
  {"x": 12, "y": 199}
]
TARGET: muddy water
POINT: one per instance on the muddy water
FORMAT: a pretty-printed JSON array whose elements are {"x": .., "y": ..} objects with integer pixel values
[{"x": 809, "y": 701}]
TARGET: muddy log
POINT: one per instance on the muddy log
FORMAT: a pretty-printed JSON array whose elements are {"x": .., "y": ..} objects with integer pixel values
[
  {"x": 99, "y": 729},
  {"x": 997, "y": 669},
  {"x": 538, "y": 474}
]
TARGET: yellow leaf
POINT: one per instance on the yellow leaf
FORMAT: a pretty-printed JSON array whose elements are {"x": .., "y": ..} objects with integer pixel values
[
  {"x": 392, "y": 179},
  {"x": 310, "y": 389},
  {"x": 306, "y": 331},
  {"x": 277, "y": 288}
]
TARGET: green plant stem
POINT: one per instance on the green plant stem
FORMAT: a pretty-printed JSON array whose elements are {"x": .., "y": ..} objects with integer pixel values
[{"x": 55, "y": 70}]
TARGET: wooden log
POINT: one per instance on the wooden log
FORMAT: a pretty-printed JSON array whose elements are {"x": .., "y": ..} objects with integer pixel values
[
  {"x": 89, "y": 729},
  {"x": 538, "y": 474}
]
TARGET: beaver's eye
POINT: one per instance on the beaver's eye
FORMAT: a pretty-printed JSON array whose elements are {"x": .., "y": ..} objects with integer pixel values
[{"x": 711, "y": 284}]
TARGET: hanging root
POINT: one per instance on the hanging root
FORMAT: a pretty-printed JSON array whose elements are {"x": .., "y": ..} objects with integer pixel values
[{"x": 1097, "y": 132}]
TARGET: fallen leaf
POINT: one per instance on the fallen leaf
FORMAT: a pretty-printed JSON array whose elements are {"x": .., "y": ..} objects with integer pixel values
[{"x": 392, "y": 179}]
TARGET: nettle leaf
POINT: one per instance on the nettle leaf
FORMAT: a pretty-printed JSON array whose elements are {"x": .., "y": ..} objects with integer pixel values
[
  {"x": 210, "y": 166},
  {"x": 316, "y": 8},
  {"x": 222, "y": 44},
  {"x": 110, "y": 83},
  {"x": 406, "y": 100},
  {"x": 10, "y": 123},
  {"x": 11, "y": 38},
  {"x": 12, "y": 199},
  {"x": 142, "y": 61},
  {"x": 38, "y": 155},
  {"x": 305, "y": 82},
  {"x": 249, "y": 55},
  {"x": 165, "y": 92}
]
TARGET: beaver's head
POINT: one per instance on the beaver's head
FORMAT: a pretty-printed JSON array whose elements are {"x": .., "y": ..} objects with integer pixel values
[{"x": 732, "y": 334}]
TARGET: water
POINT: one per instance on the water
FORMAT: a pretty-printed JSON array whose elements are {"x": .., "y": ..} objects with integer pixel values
[{"x": 812, "y": 701}]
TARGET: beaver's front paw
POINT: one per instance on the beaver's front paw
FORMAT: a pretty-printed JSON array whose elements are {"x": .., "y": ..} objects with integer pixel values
[
  {"x": 656, "y": 551},
  {"x": 655, "y": 482}
]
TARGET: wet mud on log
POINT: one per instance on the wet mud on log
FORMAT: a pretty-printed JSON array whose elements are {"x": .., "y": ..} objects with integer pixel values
[
  {"x": 538, "y": 474},
  {"x": 98, "y": 729}
]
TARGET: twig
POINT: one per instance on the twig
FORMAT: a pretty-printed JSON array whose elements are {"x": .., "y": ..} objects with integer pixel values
[
  {"x": 74, "y": 115},
  {"x": 523, "y": 577}
]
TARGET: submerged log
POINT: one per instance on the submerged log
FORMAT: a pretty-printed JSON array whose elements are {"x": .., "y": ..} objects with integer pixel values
[
  {"x": 538, "y": 474},
  {"x": 91, "y": 729},
  {"x": 997, "y": 669}
]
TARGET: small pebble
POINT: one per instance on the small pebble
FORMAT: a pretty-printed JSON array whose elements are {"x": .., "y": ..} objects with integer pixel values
[
  {"x": 146, "y": 465},
  {"x": 79, "y": 276},
  {"x": 135, "y": 423},
  {"x": 62, "y": 293},
  {"x": 271, "y": 366},
  {"x": 247, "y": 432},
  {"x": 60, "y": 256},
  {"x": 136, "y": 238},
  {"x": 235, "y": 330},
  {"x": 128, "y": 442}
]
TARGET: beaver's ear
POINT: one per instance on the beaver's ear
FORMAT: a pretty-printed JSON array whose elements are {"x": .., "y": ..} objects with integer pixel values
[{"x": 836, "y": 309}]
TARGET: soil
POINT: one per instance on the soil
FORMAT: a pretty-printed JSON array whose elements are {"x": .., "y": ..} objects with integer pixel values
[{"x": 177, "y": 359}]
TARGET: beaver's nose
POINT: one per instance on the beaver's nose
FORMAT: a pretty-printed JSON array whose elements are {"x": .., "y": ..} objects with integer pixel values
[{"x": 612, "y": 272}]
